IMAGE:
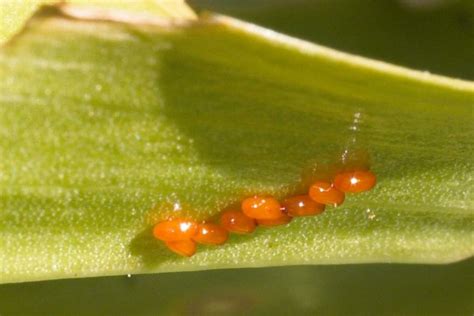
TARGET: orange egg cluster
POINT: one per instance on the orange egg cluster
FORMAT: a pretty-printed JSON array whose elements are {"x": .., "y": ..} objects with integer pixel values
[{"x": 181, "y": 235}]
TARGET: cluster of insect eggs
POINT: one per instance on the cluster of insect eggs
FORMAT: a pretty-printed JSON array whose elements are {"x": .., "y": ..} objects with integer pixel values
[{"x": 182, "y": 235}]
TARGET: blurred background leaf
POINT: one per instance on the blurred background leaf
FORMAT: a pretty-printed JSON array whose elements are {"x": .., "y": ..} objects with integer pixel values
[
  {"x": 371, "y": 289},
  {"x": 432, "y": 35}
]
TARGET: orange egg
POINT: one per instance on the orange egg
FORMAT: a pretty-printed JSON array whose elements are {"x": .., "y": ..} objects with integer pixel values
[
  {"x": 325, "y": 193},
  {"x": 262, "y": 207},
  {"x": 355, "y": 181},
  {"x": 185, "y": 247},
  {"x": 282, "y": 220},
  {"x": 175, "y": 229},
  {"x": 237, "y": 222},
  {"x": 211, "y": 234},
  {"x": 302, "y": 205}
]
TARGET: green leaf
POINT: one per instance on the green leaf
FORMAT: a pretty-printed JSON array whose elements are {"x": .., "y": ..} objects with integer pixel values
[
  {"x": 14, "y": 13},
  {"x": 368, "y": 289},
  {"x": 428, "y": 35},
  {"x": 105, "y": 126}
]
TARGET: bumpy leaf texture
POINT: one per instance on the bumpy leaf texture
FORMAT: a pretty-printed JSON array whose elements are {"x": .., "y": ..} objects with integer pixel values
[{"x": 106, "y": 128}]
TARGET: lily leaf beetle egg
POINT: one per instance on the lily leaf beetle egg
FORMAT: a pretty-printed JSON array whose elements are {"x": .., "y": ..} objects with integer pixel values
[
  {"x": 175, "y": 229},
  {"x": 185, "y": 247},
  {"x": 211, "y": 234},
  {"x": 262, "y": 207},
  {"x": 282, "y": 220},
  {"x": 302, "y": 205},
  {"x": 355, "y": 181},
  {"x": 237, "y": 222},
  {"x": 326, "y": 193}
]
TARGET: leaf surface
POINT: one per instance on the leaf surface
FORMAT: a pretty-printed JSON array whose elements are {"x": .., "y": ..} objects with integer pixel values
[{"x": 106, "y": 127}]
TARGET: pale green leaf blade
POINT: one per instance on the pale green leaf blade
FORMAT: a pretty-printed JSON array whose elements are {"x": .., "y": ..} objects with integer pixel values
[
  {"x": 15, "y": 13},
  {"x": 100, "y": 123}
]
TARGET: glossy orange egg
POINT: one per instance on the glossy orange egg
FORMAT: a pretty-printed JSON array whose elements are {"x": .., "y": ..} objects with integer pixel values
[
  {"x": 262, "y": 207},
  {"x": 175, "y": 229},
  {"x": 237, "y": 222},
  {"x": 355, "y": 181},
  {"x": 302, "y": 205},
  {"x": 185, "y": 247},
  {"x": 325, "y": 193},
  {"x": 282, "y": 220},
  {"x": 211, "y": 234}
]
